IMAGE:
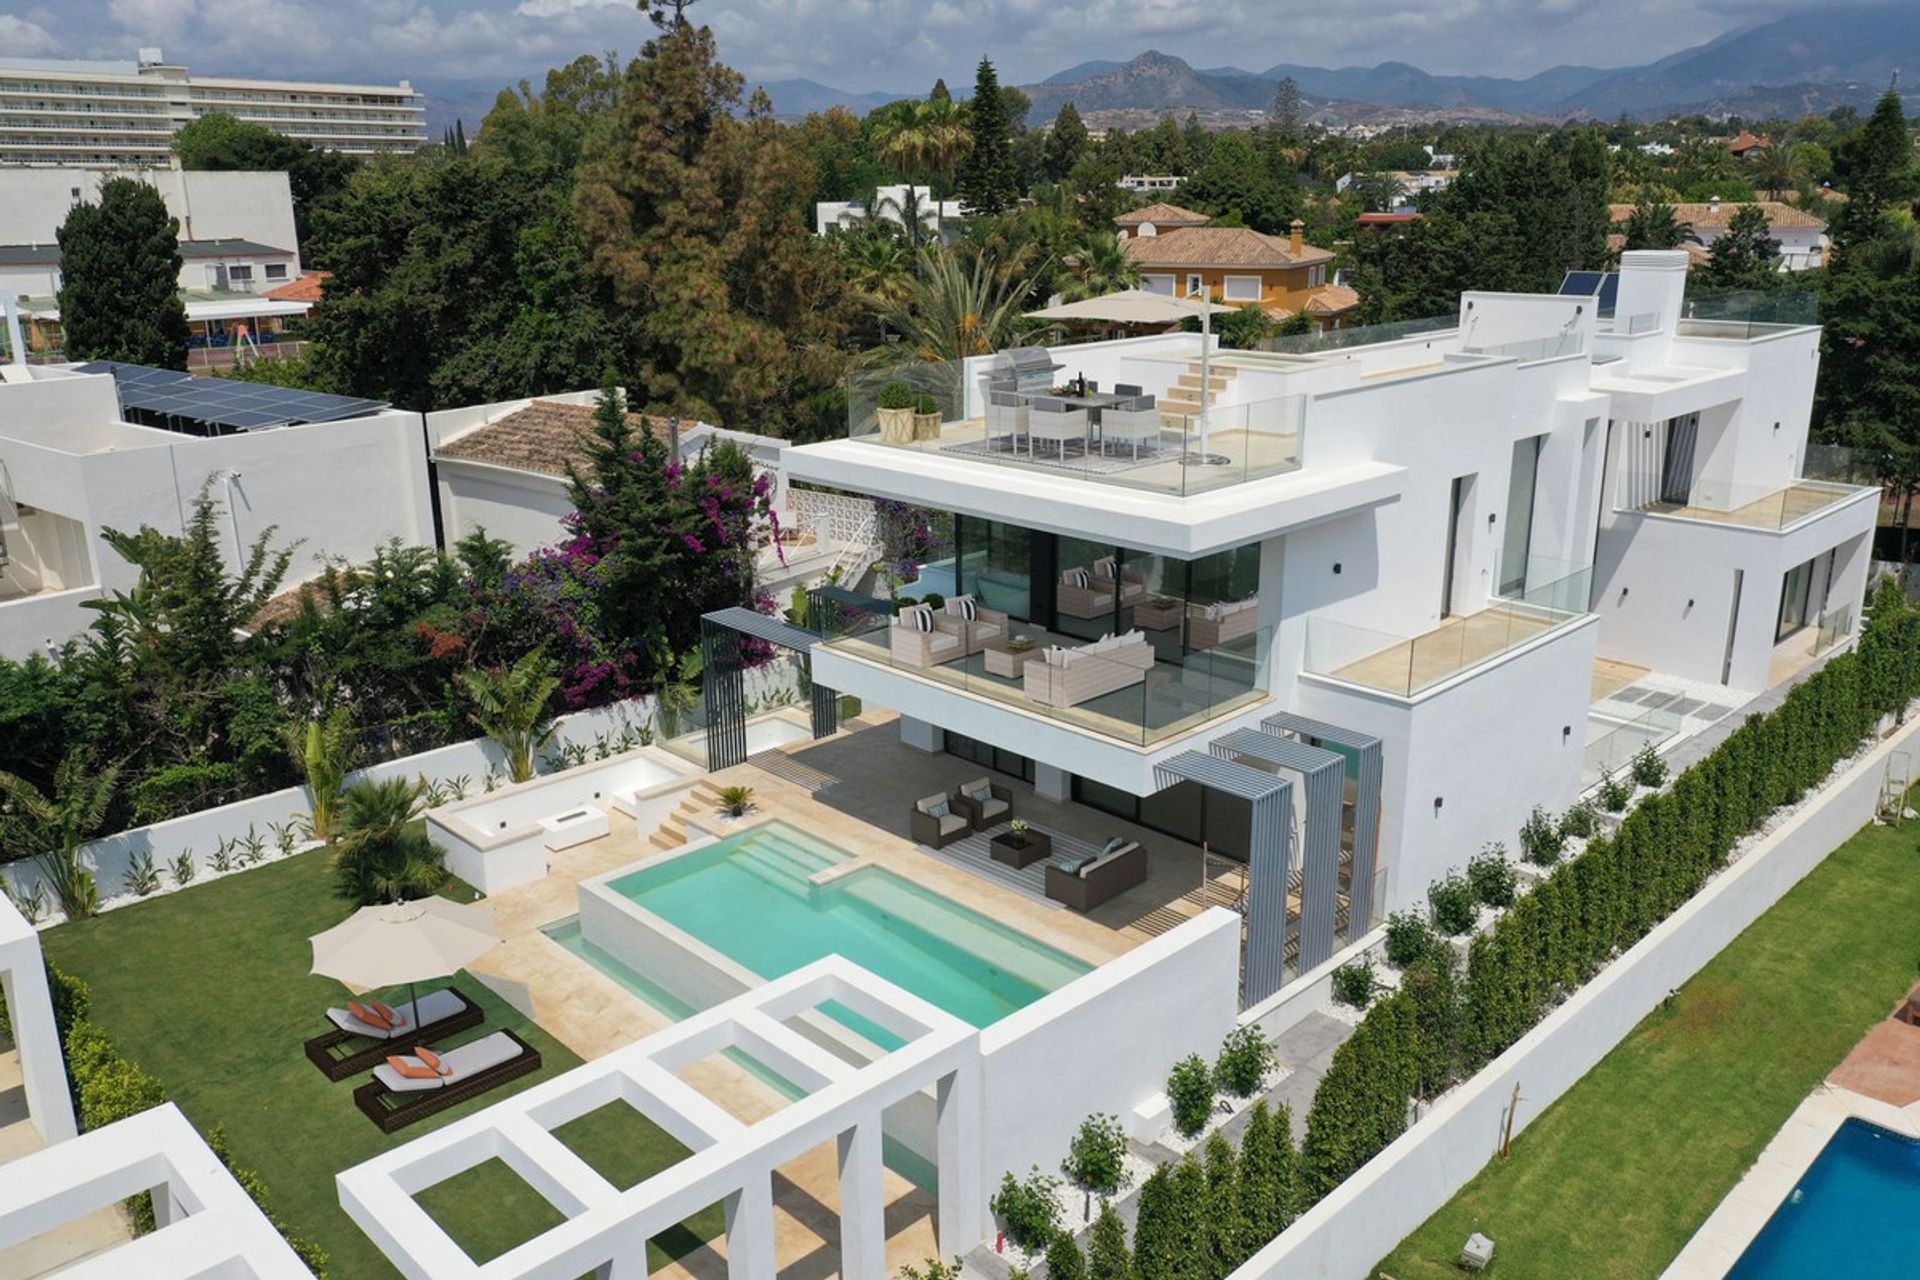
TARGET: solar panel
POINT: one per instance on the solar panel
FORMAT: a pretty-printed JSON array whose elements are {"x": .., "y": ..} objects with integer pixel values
[
  {"x": 223, "y": 403},
  {"x": 1604, "y": 286}
]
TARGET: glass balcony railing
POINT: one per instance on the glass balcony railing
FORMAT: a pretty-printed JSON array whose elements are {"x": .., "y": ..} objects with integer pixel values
[
  {"x": 1755, "y": 506},
  {"x": 1406, "y": 665},
  {"x": 1746, "y": 314},
  {"x": 927, "y": 407},
  {"x": 1140, "y": 687},
  {"x": 1547, "y": 348},
  {"x": 1613, "y": 741}
]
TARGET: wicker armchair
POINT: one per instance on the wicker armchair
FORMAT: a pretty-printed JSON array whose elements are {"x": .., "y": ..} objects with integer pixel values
[
  {"x": 986, "y": 630},
  {"x": 981, "y": 814},
  {"x": 937, "y": 829}
]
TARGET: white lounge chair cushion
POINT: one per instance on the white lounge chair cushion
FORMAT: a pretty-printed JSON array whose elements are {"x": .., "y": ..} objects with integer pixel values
[
  {"x": 463, "y": 1063},
  {"x": 434, "y": 1006},
  {"x": 1094, "y": 863}
]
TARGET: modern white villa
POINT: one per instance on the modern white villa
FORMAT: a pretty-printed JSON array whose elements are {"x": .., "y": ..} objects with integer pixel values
[{"x": 1181, "y": 668}]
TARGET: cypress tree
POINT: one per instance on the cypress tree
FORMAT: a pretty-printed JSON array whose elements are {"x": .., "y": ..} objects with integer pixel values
[
  {"x": 1107, "y": 1255},
  {"x": 1064, "y": 1259},
  {"x": 989, "y": 181},
  {"x": 1190, "y": 1237},
  {"x": 1066, "y": 144},
  {"x": 1226, "y": 1229},
  {"x": 120, "y": 278},
  {"x": 1155, "y": 1228}
]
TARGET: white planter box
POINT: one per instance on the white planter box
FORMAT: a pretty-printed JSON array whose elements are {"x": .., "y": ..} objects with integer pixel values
[{"x": 575, "y": 826}]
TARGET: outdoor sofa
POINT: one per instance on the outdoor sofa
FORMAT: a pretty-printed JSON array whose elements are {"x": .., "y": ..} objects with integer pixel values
[
  {"x": 1212, "y": 625},
  {"x": 439, "y": 1014},
  {"x": 1067, "y": 677},
  {"x": 1098, "y": 878},
  {"x": 919, "y": 637},
  {"x": 393, "y": 1100}
]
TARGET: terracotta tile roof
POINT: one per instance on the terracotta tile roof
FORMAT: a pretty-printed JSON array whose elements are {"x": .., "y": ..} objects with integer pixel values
[
  {"x": 542, "y": 438},
  {"x": 1163, "y": 215},
  {"x": 1717, "y": 217},
  {"x": 1332, "y": 300},
  {"x": 1746, "y": 142},
  {"x": 306, "y": 289},
  {"x": 1218, "y": 247}
]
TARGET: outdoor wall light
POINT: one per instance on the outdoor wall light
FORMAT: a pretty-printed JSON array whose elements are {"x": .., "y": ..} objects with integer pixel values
[
  {"x": 1336, "y": 568},
  {"x": 1566, "y": 731},
  {"x": 1689, "y": 604},
  {"x": 1437, "y": 802},
  {"x": 1623, "y": 595}
]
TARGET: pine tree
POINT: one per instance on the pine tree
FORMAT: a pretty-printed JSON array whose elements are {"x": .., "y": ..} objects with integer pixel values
[
  {"x": 1107, "y": 1255},
  {"x": 1876, "y": 163},
  {"x": 1746, "y": 256},
  {"x": 940, "y": 92},
  {"x": 1284, "y": 118},
  {"x": 989, "y": 182},
  {"x": 120, "y": 278},
  {"x": 1066, "y": 144}
]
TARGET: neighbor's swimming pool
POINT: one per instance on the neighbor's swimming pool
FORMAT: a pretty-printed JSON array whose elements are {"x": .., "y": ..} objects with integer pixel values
[
  {"x": 1851, "y": 1214},
  {"x": 749, "y": 897}
]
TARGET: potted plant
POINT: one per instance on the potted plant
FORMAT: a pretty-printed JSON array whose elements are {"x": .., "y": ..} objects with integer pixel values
[
  {"x": 896, "y": 412},
  {"x": 1020, "y": 644},
  {"x": 926, "y": 418},
  {"x": 736, "y": 800},
  {"x": 1019, "y": 832}
]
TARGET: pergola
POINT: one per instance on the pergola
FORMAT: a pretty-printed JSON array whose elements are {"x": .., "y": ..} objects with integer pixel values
[
  {"x": 724, "y": 691},
  {"x": 1368, "y": 767},
  {"x": 733, "y": 1162}
]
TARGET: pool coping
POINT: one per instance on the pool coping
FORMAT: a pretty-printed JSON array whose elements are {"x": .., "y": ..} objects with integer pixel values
[{"x": 1738, "y": 1219}]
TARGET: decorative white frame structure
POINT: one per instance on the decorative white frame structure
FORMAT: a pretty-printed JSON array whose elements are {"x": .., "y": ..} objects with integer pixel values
[
  {"x": 43, "y": 1066},
  {"x": 208, "y": 1227},
  {"x": 732, "y": 1162}
]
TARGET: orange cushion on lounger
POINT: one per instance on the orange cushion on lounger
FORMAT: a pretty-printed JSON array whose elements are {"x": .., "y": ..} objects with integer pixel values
[
  {"x": 410, "y": 1069},
  {"x": 432, "y": 1060},
  {"x": 371, "y": 1017},
  {"x": 387, "y": 1012}
]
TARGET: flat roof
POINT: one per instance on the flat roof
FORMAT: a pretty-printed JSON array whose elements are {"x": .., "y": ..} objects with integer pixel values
[{"x": 177, "y": 399}]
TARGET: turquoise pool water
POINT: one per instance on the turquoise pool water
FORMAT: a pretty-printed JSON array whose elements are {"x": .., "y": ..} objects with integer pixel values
[
  {"x": 749, "y": 898},
  {"x": 1851, "y": 1215}
]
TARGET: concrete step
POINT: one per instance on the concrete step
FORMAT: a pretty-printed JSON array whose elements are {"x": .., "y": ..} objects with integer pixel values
[
  {"x": 1191, "y": 382},
  {"x": 662, "y": 841}
]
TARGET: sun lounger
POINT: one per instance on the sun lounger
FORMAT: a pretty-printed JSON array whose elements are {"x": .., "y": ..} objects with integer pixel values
[
  {"x": 394, "y": 1101},
  {"x": 343, "y": 1051}
]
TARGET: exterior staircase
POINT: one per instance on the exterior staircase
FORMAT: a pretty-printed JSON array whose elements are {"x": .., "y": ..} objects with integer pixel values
[
  {"x": 1182, "y": 400},
  {"x": 703, "y": 801}
]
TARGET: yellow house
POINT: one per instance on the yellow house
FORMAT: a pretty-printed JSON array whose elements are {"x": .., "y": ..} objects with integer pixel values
[{"x": 1181, "y": 253}]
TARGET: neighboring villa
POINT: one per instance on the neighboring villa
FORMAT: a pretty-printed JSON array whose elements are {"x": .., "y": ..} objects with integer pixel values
[
  {"x": 1802, "y": 236},
  {"x": 1181, "y": 252},
  {"x": 240, "y": 260},
  {"x": 895, "y": 204}
]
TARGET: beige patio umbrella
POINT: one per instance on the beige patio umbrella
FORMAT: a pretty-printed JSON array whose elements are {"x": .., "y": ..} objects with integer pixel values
[
  {"x": 395, "y": 942},
  {"x": 1142, "y": 306}
]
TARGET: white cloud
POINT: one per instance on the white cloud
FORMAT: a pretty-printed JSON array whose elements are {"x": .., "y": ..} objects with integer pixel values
[
  {"x": 26, "y": 39},
  {"x": 558, "y": 8}
]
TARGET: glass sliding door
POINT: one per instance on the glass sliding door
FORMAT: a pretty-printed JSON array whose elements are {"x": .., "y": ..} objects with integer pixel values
[
  {"x": 996, "y": 565},
  {"x": 1795, "y": 588}
]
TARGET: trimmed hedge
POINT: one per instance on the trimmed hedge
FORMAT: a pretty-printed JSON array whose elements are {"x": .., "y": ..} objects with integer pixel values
[{"x": 1600, "y": 902}]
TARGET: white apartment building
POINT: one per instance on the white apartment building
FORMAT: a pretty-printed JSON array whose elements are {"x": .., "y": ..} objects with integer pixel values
[
  {"x": 61, "y": 112},
  {"x": 1477, "y": 565}
]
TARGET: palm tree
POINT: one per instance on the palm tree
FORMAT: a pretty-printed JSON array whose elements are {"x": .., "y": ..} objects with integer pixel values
[
  {"x": 880, "y": 264},
  {"x": 923, "y": 139},
  {"x": 960, "y": 304},
  {"x": 62, "y": 821},
  {"x": 677, "y": 688},
  {"x": 383, "y": 854},
  {"x": 909, "y": 212},
  {"x": 1775, "y": 170},
  {"x": 510, "y": 706},
  {"x": 1100, "y": 265},
  {"x": 323, "y": 749},
  {"x": 1654, "y": 225}
]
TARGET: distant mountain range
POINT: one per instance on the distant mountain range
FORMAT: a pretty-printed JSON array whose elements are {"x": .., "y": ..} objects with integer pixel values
[
  {"x": 1807, "y": 61},
  {"x": 1810, "y": 61}
]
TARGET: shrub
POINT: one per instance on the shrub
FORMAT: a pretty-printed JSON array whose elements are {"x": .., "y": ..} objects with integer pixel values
[
  {"x": 1355, "y": 982},
  {"x": 1647, "y": 769},
  {"x": 1408, "y": 938},
  {"x": 1097, "y": 1157},
  {"x": 1578, "y": 823},
  {"x": 925, "y": 404},
  {"x": 736, "y": 800},
  {"x": 1491, "y": 876},
  {"x": 1614, "y": 793},
  {"x": 1245, "y": 1057},
  {"x": 1452, "y": 900},
  {"x": 1190, "y": 1090},
  {"x": 1541, "y": 840},
  {"x": 142, "y": 878},
  {"x": 1267, "y": 1171},
  {"x": 896, "y": 395},
  {"x": 935, "y": 1269},
  {"x": 182, "y": 867},
  {"x": 1027, "y": 1209},
  {"x": 1226, "y": 1235}
]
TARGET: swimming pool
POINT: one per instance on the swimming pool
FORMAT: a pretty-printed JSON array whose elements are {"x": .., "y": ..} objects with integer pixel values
[
  {"x": 769, "y": 901},
  {"x": 1850, "y": 1215}
]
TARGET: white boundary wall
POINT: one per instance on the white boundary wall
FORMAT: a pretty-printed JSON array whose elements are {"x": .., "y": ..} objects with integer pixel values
[
  {"x": 1343, "y": 1236},
  {"x": 1105, "y": 1041}
]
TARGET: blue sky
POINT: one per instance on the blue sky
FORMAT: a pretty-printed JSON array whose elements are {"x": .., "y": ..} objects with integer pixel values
[{"x": 895, "y": 45}]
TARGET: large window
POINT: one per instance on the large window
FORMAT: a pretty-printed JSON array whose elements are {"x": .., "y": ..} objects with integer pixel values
[
  {"x": 1242, "y": 289},
  {"x": 1516, "y": 537}
]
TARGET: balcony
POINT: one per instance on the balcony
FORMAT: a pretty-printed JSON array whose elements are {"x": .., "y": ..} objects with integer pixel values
[
  {"x": 1744, "y": 507},
  {"x": 1409, "y": 665},
  {"x": 1141, "y": 689}
]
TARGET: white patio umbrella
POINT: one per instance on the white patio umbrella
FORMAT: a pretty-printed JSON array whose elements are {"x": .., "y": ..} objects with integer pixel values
[
  {"x": 1142, "y": 306},
  {"x": 395, "y": 942}
]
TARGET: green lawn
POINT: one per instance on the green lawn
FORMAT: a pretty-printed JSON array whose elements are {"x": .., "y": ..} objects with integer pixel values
[
  {"x": 1618, "y": 1174},
  {"x": 208, "y": 989}
]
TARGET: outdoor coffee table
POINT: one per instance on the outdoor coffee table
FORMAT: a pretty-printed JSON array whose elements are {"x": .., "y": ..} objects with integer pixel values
[
  {"x": 1038, "y": 846},
  {"x": 1157, "y": 617},
  {"x": 1010, "y": 663}
]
